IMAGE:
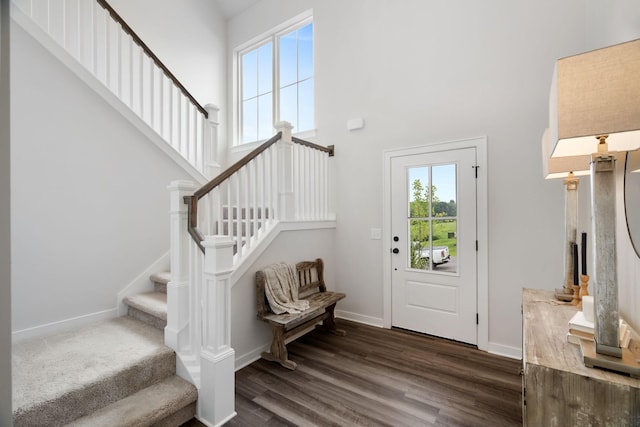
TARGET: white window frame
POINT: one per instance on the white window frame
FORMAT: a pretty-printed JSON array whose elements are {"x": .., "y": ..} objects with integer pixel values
[{"x": 272, "y": 36}]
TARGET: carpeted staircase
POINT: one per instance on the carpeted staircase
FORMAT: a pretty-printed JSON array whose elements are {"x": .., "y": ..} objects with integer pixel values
[{"x": 112, "y": 373}]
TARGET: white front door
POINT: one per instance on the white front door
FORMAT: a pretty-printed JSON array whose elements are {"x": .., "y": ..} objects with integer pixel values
[{"x": 433, "y": 260}]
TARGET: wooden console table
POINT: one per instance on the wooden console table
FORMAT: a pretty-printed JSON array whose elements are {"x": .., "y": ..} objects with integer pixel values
[{"x": 558, "y": 390}]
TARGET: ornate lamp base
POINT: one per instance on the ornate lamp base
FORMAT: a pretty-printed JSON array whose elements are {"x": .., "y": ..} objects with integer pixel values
[{"x": 628, "y": 364}]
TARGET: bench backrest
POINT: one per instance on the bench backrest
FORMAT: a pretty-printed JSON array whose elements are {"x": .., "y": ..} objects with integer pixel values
[{"x": 310, "y": 277}]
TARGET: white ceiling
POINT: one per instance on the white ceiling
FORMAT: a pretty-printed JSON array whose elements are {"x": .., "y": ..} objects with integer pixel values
[{"x": 231, "y": 8}]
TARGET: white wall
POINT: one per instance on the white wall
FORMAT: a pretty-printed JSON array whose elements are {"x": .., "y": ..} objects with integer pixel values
[
  {"x": 89, "y": 205},
  {"x": 421, "y": 72},
  {"x": 6, "y": 415},
  {"x": 611, "y": 21},
  {"x": 250, "y": 336},
  {"x": 189, "y": 37}
]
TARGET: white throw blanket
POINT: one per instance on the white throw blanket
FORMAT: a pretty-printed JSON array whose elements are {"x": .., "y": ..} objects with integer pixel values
[{"x": 281, "y": 288}]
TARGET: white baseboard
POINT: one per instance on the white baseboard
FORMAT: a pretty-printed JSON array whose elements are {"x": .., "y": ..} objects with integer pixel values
[
  {"x": 505, "y": 350},
  {"x": 142, "y": 283},
  {"x": 250, "y": 357},
  {"x": 360, "y": 318},
  {"x": 62, "y": 325}
]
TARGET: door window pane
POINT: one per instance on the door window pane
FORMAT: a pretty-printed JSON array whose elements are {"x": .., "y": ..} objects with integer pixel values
[
  {"x": 432, "y": 217},
  {"x": 418, "y": 186},
  {"x": 444, "y": 190},
  {"x": 419, "y": 244},
  {"x": 445, "y": 241}
]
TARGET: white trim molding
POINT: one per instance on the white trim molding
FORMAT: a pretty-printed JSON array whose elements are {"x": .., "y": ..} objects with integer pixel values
[
  {"x": 63, "y": 325},
  {"x": 505, "y": 350},
  {"x": 360, "y": 318}
]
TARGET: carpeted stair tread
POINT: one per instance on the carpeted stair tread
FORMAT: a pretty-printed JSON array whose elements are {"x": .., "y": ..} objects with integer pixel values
[
  {"x": 147, "y": 407},
  {"x": 61, "y": 377},
  {"x": 153, "y": 303},
  {"x": 160, "y": 280}
]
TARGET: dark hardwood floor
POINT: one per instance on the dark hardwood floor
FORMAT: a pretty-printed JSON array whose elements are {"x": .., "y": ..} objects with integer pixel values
[{"x": 379, "y": 377}]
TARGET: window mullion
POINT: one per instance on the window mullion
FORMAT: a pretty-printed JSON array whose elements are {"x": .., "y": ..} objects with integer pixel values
[
  {"x": 298, "y": 76},
  {"x": 276, "y": 78},
  {"x": 258, "y": 94}
]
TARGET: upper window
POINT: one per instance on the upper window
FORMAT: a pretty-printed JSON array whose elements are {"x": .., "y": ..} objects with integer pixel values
[{"x": 289, "y": 69}]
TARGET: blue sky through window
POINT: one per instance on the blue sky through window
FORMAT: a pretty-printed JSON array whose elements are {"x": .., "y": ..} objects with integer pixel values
[
  {"x": 295, "y": 101},
  {"x": 296, "y": 78},
  {"x": 444, "y": 178}
]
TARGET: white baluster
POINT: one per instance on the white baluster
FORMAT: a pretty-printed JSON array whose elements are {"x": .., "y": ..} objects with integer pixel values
[
  {"x": 212, "y": 167},
  {"x": 161, "y": 111},
  {"x": 236, "y": 231},
  {"x": 274, "y": 183},
  {"x": 85, "y": 34},
  {"x": 187, "y": 130},
  {"x": 325, "y": 187},
  {"x": 152, "y": 91},
  {"x": 268, "y": 185},
  {"x": 318, "y": 156},
  {"x": 261, "y": 188},
  {"x": 141, "y": 57},
  {"x": 253, "y": 183},
  {"x": 245, "y": 231},
  {"x": 119, "y": 61},
  {"x": 193, "y": 118}
]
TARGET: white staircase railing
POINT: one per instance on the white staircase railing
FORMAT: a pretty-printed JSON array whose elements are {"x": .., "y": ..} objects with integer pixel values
[
  {"x": 94, "y": 34},
  {"x": 213, "y": 231}
]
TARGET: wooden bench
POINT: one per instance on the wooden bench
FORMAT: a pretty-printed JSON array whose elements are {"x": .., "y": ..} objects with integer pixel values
[{"x": 289, "y": 326}]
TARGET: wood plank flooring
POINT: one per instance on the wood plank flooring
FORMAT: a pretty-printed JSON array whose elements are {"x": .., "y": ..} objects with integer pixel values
[{"x": 379, "y": 377}]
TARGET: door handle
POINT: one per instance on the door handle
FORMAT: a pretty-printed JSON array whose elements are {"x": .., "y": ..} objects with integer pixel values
[{"x": 395, "y": 250}]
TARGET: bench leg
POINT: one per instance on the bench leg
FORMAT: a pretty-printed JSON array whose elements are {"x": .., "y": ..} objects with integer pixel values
[
  {"x": 329, "y": 323},
  {"x": 279, "y": 349}
]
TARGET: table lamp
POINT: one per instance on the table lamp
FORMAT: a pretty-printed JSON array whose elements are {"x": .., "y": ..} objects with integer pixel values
[{"x": 594, "y": 110}]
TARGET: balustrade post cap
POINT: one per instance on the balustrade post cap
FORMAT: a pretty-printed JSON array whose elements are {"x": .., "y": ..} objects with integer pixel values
[
  {"x": 181, "y": 185},
  {"x": 217, "y": 241},
  {"x": 212, "y": 112},
  {"x": 283, "y": 125}
]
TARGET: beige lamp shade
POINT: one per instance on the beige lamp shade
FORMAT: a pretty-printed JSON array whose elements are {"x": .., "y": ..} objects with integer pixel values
[
  {"x": 559, "y": 167},
  {"x": 592, "y": 94}
]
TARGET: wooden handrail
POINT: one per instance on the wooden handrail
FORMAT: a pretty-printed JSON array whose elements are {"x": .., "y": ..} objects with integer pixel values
[
  {"x": 192, "y": 201},
  {"x": 330, "y": 149},
  {"x": 205, "y": 189},
  {"x": 127, "y": 29}
]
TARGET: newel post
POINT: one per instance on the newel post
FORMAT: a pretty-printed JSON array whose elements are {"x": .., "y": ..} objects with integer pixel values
[
  {"x": 211, "y": 165},
  {"x": 217, "y": 392},
  {"x": 286, "y": 196},
  {"x": 176, "y": 333}
]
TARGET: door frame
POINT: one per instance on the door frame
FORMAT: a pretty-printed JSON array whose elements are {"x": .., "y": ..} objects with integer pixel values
[{"x": 482, "y": 227}]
